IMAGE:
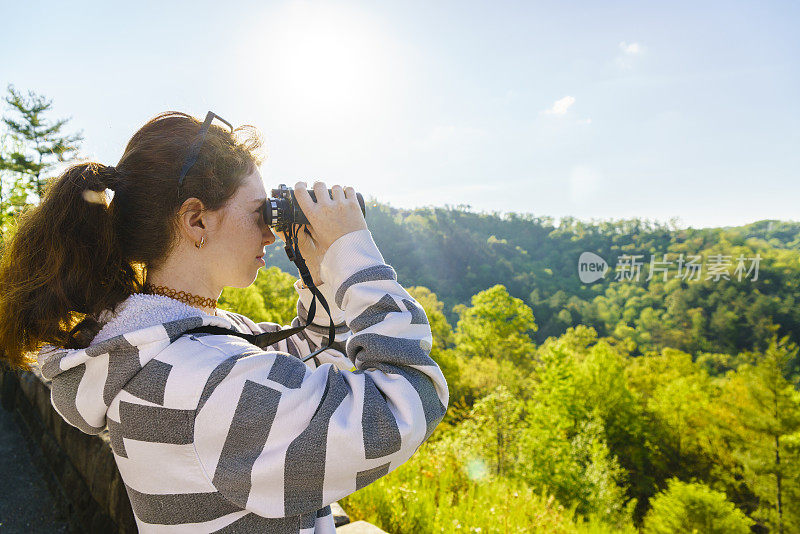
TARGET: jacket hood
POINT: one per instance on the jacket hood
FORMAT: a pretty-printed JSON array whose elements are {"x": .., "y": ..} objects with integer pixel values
[{"x": 85, "y": 381}]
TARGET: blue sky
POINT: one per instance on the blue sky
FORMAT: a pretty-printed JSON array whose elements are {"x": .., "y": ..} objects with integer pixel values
[{"x": 609, "y": 110}]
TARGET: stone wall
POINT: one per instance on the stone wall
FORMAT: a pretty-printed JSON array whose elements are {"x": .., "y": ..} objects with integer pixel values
[{"x": 79, "y": 468}]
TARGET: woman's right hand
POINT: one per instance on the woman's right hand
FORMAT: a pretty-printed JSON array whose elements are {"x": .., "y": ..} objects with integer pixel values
[{"x": 330, "y": 218}]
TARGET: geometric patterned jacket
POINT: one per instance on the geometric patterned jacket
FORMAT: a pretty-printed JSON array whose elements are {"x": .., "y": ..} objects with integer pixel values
[{"x": 213, "y": 434}]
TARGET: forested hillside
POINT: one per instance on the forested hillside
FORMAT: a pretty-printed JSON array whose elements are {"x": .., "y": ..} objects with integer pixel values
[
  {"x": 666, "y": 405},
  {"x": 457, "y": 253}
]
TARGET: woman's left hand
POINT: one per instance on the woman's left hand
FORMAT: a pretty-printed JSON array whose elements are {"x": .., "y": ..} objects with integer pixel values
[{"x": 310, "y": 249}]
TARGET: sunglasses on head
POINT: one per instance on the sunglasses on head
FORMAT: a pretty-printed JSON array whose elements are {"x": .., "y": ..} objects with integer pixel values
[{"x": 194, "y": 150}]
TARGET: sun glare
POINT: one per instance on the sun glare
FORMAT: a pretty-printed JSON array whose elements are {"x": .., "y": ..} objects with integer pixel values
[{"x": 317, "y": 57}]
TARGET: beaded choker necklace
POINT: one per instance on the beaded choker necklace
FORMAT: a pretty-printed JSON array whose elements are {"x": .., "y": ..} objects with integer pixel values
[{"x": 183, "y": 296}]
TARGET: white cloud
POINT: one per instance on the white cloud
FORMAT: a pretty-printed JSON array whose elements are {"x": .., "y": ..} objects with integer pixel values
[
  {"x": 561, "y": 106},
  {"x": 629, "y": 54},
  {"x": 587, "y": 120},
  {"x": 631, "y": 49}
]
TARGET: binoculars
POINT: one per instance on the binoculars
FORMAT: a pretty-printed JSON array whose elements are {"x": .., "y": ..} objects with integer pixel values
[{"x": 281, "y": 210}]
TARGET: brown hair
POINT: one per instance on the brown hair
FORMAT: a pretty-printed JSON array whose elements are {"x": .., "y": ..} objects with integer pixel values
[{"x": 75, "y": 255}]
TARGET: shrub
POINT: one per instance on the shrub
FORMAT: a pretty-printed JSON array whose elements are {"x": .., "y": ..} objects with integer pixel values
[{"x": 691, "y": 507}]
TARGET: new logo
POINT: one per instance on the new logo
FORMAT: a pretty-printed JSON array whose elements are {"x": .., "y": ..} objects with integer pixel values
[{"x": 591, "y": 267}]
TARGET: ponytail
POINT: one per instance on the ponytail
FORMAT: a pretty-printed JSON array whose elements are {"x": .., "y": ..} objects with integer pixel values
[
  {"x": 63, "y": 266},
  {"x": 76, "y": 255}
]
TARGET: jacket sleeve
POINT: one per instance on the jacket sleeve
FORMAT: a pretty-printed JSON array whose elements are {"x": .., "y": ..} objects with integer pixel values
[{"x": 280, "y": 439}]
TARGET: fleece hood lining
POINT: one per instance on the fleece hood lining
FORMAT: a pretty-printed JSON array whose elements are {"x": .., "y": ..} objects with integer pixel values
[{"x": 141, "y": 311}]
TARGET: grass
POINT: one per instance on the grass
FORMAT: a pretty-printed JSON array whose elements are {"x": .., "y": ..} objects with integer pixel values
[{"x": 436, "y": 491}]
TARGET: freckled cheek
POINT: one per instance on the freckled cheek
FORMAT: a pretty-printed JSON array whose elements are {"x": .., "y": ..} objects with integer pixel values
[
  {"x": 248, "y": 234},
  {"x": 244, "y": 228}
]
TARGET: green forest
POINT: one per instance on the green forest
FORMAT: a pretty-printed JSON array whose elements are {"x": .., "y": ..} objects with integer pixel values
[
  {"x": 660, "y": 398},
  {"x": 661, "y": 405}
]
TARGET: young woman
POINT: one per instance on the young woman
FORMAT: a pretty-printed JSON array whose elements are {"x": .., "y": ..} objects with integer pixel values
[{"x": 211, "y": 433}]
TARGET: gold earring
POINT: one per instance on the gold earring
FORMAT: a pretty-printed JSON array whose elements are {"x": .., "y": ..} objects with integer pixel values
[{"x": 201, "y": 243}]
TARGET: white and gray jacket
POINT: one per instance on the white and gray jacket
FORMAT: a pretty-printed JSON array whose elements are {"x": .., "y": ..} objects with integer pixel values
[{"x": 213, "y": 434}]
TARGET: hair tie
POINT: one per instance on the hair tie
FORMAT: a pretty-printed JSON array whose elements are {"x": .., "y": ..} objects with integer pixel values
[{"x": 110, "y": 177}]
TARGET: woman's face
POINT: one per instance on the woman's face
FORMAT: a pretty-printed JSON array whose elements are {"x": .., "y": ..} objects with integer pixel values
[{"x": 235, "y": 245}]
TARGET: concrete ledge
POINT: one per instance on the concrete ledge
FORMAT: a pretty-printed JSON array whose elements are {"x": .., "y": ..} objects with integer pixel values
[
  {"x": 360, "y": 527},
  {"x": 79, "y": 468}
]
